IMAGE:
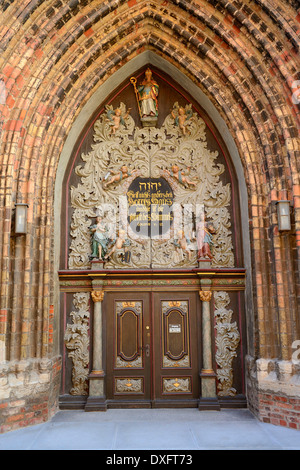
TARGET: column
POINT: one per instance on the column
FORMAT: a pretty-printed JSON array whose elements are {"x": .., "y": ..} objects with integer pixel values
[
  {"x": 208, "y": 399},
  {"x": 97, "y": 399}
]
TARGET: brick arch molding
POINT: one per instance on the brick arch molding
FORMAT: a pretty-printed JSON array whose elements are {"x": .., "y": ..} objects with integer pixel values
[{"x": 241, "y": 58}]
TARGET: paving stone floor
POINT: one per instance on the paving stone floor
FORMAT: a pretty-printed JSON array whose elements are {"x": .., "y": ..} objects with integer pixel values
[{"x": 152, "y": 429}]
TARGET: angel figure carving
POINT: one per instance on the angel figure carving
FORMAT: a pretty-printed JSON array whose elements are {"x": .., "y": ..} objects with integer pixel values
[
  {"x": 116, "y": 118},
  {"x": 181, "y": 175},
  {"x": 116, "y": 176},
  {"x": 182, "y": 119}
]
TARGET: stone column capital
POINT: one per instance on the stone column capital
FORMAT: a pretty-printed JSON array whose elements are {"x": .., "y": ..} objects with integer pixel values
[
  {"x": 97, "y": 295},
  {"x": 205, "y": 295}
]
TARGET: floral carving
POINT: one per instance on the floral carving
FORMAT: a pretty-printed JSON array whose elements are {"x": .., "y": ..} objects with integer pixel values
[
  {"x": 177, "y": 385},
  {"x": 227, "y": 341},
  {"x": 150, "y": 152},
  {"x": 129, "y": 385},
  {"x": 77, "y": 343}
]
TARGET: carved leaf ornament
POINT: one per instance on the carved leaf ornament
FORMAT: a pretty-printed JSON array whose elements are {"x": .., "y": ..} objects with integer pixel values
[
  {"x": 149, "y": 152},
  {"x": 77, "y": 343},
  {"x": 227, "y": 341}
]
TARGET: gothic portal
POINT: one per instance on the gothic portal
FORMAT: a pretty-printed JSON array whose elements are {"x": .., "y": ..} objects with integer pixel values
[{"x": 152, "y": 273}]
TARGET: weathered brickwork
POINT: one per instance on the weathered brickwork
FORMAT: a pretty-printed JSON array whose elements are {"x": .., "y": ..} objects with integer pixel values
[
  {"x": 274, "y": 392},
  {"x": 244, "y": 55},
  {"x": 28, "y": 392}
]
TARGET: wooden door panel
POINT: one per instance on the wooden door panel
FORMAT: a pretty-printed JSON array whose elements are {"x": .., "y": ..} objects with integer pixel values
[
  {"x": 128, "y": 331},
  {"x": 175, "y": 334},
  {"x": 152, "y": 348},
  {"x": 176, "y": 346},
  {"x": 128, "y": 365}
]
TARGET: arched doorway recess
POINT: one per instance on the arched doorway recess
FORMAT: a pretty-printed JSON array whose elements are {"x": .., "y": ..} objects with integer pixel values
[{"x": 158, "y": 320}]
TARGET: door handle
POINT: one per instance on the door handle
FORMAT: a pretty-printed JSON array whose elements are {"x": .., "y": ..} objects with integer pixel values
[{"x": 147, "y": 349}]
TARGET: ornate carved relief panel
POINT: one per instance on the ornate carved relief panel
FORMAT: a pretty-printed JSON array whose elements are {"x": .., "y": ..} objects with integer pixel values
[
  {"x": 151, "y": 196},
  {"x": 175, "y": 332},
  {"x": 128, "y": 328}
]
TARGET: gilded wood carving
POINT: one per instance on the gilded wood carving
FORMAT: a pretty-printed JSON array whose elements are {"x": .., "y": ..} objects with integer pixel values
[
  {"x": 77, "y": 343},
  {"x": 177, "y": 153},
  {"x": 227, "y": 341}
]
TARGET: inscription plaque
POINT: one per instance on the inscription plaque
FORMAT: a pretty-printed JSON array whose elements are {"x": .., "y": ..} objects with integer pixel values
[
  {"x": 174, "y": 328},
  {"x": 150, "y": 206}
]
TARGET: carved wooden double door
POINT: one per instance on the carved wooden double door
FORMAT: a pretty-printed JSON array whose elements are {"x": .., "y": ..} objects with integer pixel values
[{"x": 152, "y": 349}]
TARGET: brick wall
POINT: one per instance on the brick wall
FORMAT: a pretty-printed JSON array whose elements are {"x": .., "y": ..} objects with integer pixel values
[
  {"x": 273, "y": 391},
  {"x": 28, "y": 393},
  {"x": 279, "y": 410}
]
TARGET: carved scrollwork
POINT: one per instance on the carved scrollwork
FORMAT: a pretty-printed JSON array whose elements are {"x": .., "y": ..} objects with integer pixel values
[
  {"x": 177, "y": 385},
  {"x": 150, "y": 152},
  {"x": 227, "y": 341},
  {"x": 129, "y": 385},
  {"x": 77, "y": 343},
  {"x": 121, "y": 364},
  {"x": 184, "y": 362}
]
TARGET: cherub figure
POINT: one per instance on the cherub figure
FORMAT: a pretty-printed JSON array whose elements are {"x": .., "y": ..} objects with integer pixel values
[
  {"x": 204, "y": 233},
  {"x": 182, "y": 242},
  {"x": 181, "y": 175},
  {"x": 182, "y": 119},
  {"x": 116, "y": 176},
  {"x": 120, "y": 242},
  {"x": 116, "y": 118}
]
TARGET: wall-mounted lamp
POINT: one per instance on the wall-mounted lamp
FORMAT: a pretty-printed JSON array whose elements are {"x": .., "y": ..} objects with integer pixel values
[
  {"x": 21, "y": 219},
  {"x": 284, "y": 216}
]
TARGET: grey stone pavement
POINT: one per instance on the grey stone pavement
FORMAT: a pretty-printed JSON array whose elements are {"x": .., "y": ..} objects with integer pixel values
[{"x": 152, "y": 429}]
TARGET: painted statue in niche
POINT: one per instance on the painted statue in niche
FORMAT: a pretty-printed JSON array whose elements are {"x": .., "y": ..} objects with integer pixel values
[
  {"x": 204, "y": 232},
  {"x": 181, "y": 176},
  {"x": 100, "y": 239},
  {"x": 182, "y": 117},
  {"x": 146, "y": 94},
  {"x": 116, "y": 118}
]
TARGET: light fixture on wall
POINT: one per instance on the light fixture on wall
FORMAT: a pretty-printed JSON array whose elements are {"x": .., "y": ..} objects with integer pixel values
[
  {"x": 284, "y": 216},
  {"x": 21, "y": 218}
]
